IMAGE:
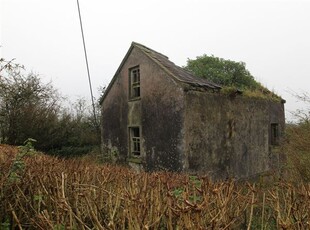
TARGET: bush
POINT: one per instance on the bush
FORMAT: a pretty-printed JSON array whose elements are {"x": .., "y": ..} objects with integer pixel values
[
  {"x": 222, "y": 72},
  {"x": 29, "y": 108},
  {"x": 297, "y": 143},
  {"x": 72, "y": 151},
  {"x": 297, "y": 148}
]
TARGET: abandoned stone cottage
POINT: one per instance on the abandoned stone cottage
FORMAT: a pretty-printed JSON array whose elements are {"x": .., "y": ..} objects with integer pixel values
[{"x": 157, "y": 116}]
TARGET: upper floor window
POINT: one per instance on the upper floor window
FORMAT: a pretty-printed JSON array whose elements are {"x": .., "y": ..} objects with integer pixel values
[{"x": 134, "y": 82}]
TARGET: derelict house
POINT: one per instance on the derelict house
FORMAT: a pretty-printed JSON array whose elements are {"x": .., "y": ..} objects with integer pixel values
[{"x": 157, "y": 116}]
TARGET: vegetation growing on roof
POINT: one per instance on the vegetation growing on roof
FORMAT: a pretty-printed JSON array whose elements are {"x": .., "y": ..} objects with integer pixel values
[
  {"x": 223, "y": 72},
  {"x": 231, "y": 75}
]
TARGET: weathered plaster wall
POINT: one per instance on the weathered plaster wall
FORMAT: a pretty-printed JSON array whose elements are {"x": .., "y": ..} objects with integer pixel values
[
  {"x": 114, "y": 110},
  {"x": 159, "y": 113},
  {"x": 118, "y": 113},
  {"x": 229, "y": 137},
  {"x": 163, "y": 119}
]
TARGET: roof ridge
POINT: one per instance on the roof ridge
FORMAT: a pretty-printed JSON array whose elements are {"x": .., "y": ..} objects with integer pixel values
[
  {"x": 147, "y": 48},
  {"x": 177, "y": 72}
]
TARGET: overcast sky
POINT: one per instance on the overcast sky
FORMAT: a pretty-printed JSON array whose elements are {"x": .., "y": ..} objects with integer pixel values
[{"x": 271, "y": 37}]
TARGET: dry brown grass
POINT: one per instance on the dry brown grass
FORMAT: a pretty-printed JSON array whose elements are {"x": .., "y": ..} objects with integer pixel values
[
  {"x": 297, "y": 149},
  {"x": 53, "y": 193}
]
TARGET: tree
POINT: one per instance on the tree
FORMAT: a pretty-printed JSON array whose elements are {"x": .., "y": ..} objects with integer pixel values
[
  {"x": 28, "y": 107},
  {"x": 223, "y": 72}
]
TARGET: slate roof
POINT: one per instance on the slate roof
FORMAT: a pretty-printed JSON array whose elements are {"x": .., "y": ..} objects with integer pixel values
[
  {"x": 175, "y": 71},
  {"x": 178, "y": 73}
]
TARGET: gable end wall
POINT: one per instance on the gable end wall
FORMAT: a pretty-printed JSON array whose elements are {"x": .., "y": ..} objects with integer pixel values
[{"x": 159, "y": 113}]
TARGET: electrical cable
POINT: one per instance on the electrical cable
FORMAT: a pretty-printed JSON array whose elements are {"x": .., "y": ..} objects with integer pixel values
[{"x": 87, "y": 66}]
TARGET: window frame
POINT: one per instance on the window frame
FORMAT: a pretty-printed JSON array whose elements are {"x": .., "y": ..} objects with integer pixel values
[
  {"x": 134, "y": 141},
  {"x": 134, "y": 83},
  {"x": 274, "y": 134}
]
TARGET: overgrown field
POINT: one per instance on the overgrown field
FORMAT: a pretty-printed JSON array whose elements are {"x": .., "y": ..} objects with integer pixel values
[{"x": 43, "y": 192}]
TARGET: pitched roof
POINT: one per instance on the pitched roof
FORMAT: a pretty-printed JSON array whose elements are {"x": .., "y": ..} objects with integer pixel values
[
  {"x": 178, "y": 73},
  {"x": 175, "y": 71}
]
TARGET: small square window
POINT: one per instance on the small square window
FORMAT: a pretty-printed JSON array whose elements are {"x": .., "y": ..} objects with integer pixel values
[
  {"x": 134, "y": 139},
  {"x": 134, "y": 83},
  {"x": 274, "y": 134}
]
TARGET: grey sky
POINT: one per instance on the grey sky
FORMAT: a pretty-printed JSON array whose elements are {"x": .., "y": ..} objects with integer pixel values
[{"x": 271, "y": 37}]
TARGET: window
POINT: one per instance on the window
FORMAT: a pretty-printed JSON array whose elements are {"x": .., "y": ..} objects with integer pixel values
[
  {"x": 134, "y": 139},
  {"x": 274, "y": 132},
  {"x": 134, "y": 81}
]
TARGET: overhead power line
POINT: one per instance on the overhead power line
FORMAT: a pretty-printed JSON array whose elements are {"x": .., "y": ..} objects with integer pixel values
[{"x": 87, "y": 66}]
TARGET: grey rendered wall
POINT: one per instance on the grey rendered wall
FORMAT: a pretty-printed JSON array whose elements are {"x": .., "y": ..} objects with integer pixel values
[
  {"x": 229, "y": 137},
  {"x": 163, "y": 120},
  {"x": 159, "y": 114}
]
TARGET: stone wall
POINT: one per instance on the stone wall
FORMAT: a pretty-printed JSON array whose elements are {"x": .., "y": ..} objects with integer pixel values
[{"x": 229, "y": 137}]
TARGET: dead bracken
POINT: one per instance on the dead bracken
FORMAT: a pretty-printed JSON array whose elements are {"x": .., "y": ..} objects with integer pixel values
[{"x": 54, "y": 193}]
